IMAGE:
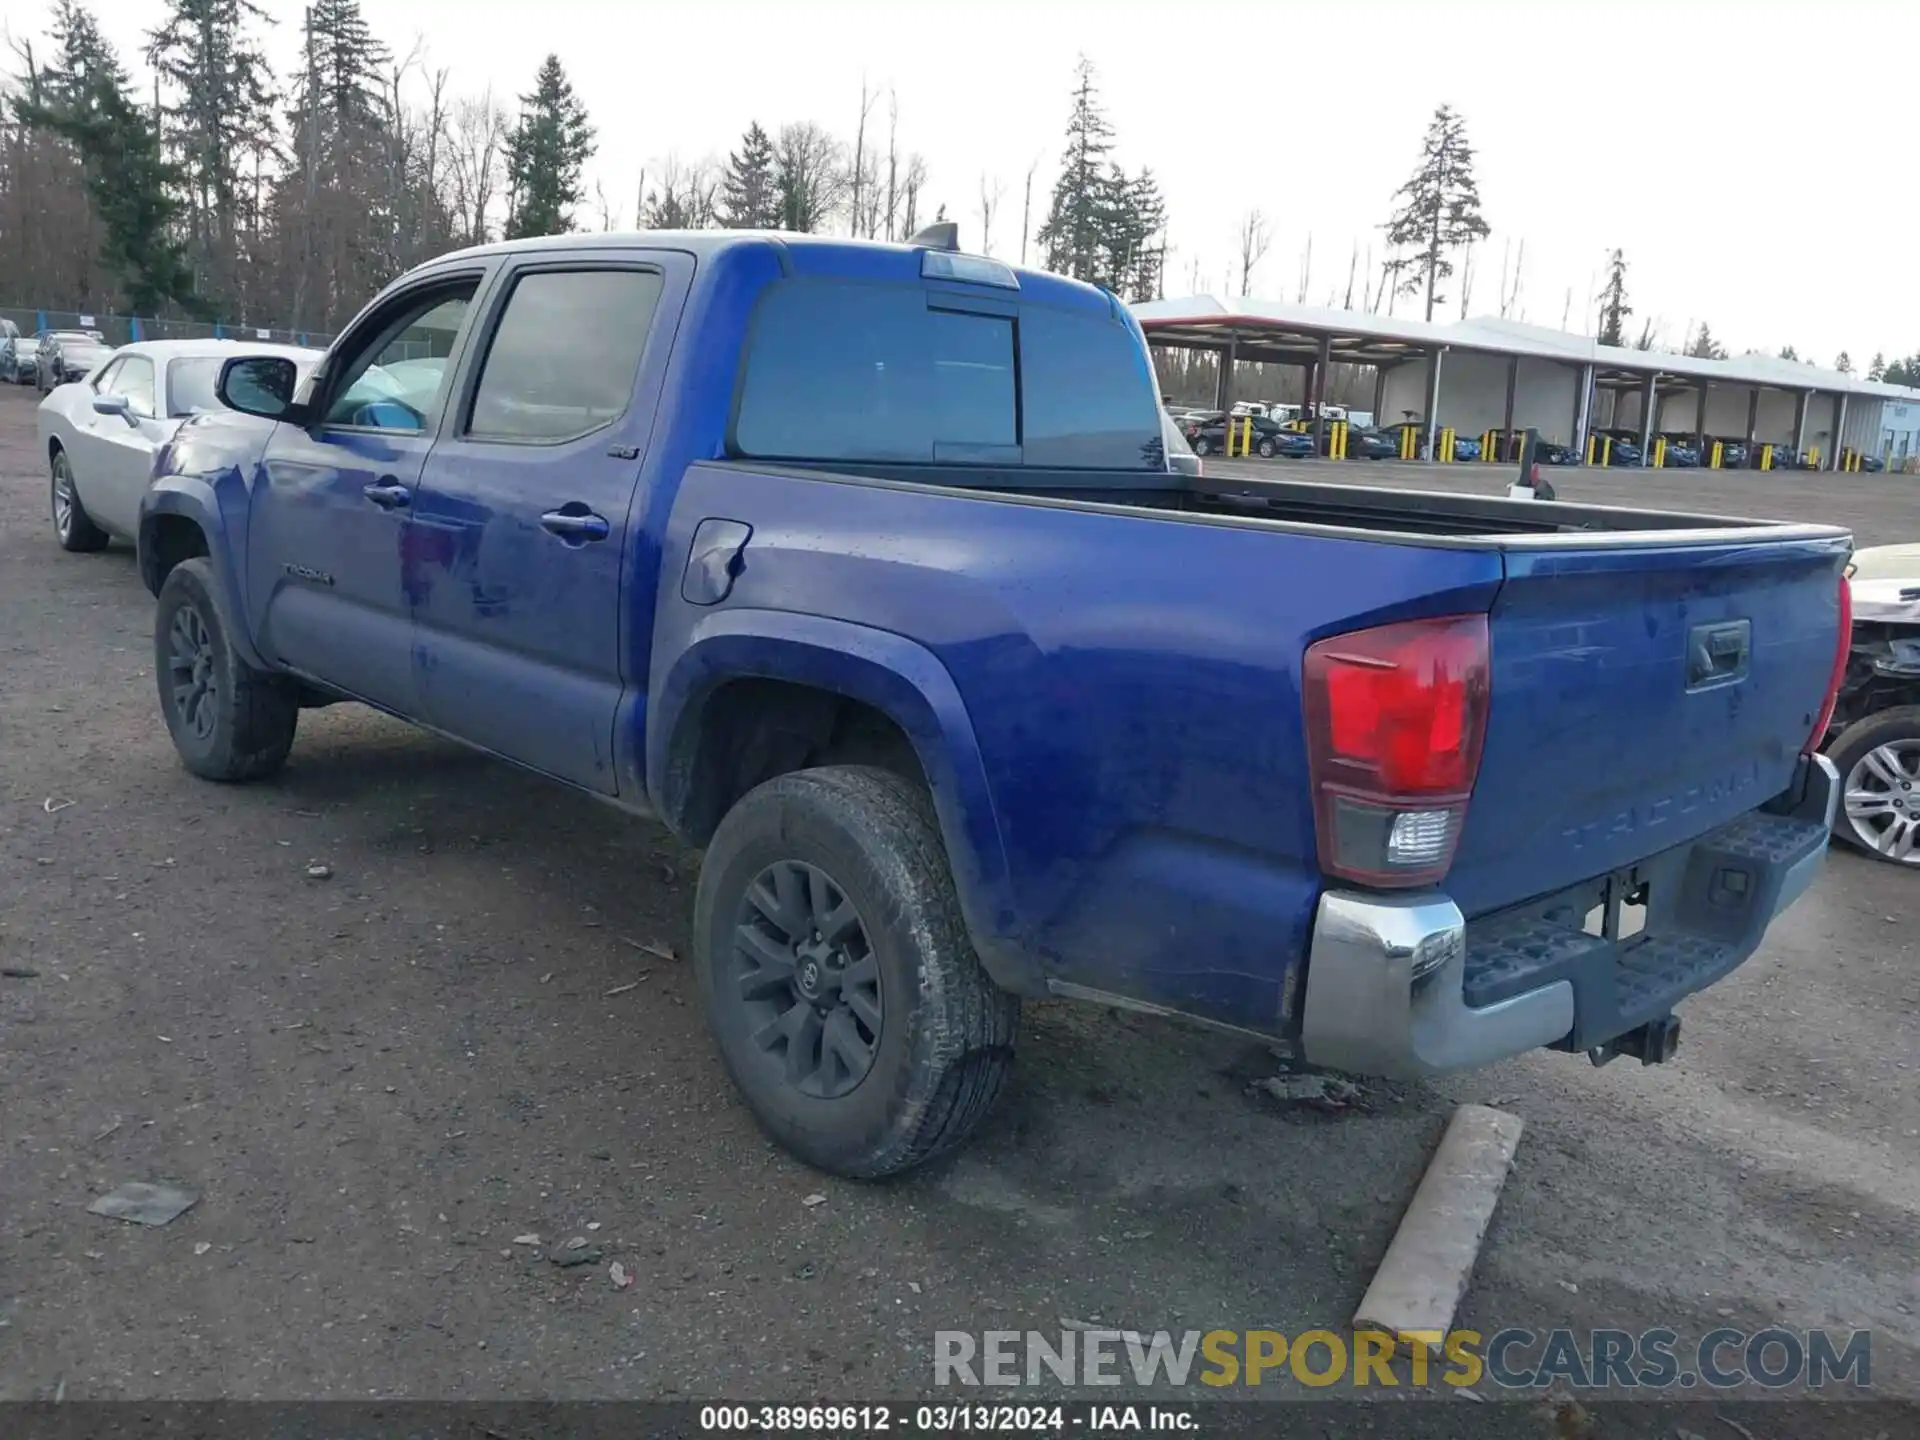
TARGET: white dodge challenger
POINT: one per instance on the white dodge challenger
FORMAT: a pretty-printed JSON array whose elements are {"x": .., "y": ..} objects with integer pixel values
[{"x": 99, "y": 435}]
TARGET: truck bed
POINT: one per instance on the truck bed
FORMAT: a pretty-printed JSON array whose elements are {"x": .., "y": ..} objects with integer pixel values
[{"x": 1404, "y": 516}]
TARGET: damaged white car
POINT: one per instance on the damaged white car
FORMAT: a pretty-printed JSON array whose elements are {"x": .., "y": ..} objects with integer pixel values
[{"x": 1874, "y": 741}]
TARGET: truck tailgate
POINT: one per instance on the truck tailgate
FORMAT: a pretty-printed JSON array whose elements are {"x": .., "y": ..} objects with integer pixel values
[{"x": 1642, "y": 695}]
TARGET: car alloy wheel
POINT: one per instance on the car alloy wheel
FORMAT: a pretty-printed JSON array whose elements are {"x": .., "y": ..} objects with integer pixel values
[
  {"x": 191, "y": 673},
  {"x": 63, "y": 497},
  {"x": 1883, "y": 800},
  {"x": 808, "y": 978}
]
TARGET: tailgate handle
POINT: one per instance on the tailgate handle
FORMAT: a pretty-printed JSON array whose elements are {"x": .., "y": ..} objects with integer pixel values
[{"x": 1717, "y": 654}]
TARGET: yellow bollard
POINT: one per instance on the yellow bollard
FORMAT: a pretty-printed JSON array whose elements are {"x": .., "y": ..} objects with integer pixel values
[
  {"x": 1606, "y": 450},
  {"x": 1714, "y": 464},
  {"x": 1813, "y": 458},
  {"x": 1406, "y": 442},
  {"x": 1766, "y": 457},
  {"x": 1446, "y": 444},
  {"x": 1660, "y": 453},
  {"x": 1246, "y": 437},
  {"x": 1592, "y": 441}
]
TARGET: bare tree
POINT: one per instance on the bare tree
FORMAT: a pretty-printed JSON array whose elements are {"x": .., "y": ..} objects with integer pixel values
[
  {"x": 893, "y": 163},
  {"x": 1306, "y": 271},
  {"x": 810, "y": 176},
  {"x": 475, "y": 143},
  {"x": 1026, "y": 210},
  {"x": 1353, "y": 270},
  {"x": 989, "y": 205},
  {"x": 859, "y": 177},
  {"x": 1510, "y": 296},
  {"x": 1254, "y": 240},
  {"x": 684, "y": 197},
  {"x": 911, "y": 184},
  {"x": 1466, "y": 277}
]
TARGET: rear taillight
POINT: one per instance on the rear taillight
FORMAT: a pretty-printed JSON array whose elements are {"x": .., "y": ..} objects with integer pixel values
[
  {"x": 1840, "y": 652},
  {"x": 1395, "y": 721}
]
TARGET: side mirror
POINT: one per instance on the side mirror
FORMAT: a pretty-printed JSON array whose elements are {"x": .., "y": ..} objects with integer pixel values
[
  {"x": 113, "y": 405},
  {"x": 261, "y": 385}
]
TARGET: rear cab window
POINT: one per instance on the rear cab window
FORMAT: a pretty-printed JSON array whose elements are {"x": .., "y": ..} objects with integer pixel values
[{"x": 886, "y": 372}]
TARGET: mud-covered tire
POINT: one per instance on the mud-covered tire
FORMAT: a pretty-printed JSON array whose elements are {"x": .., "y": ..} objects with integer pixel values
[
  {"x": 1887, "y": 826},
  {"x": 73, "y": 528},
  {"x": 945, "y": 1042},
  {"x": 228, "y": 720}
]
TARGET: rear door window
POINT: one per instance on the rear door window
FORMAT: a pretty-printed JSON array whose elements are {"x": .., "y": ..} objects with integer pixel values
[
  {"x": 845, "y": 371},
  {"x": 864, "y": 372}
]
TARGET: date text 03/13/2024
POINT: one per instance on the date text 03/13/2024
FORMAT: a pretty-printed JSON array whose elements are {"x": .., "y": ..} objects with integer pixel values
[{"x": 946, "y": 1419}]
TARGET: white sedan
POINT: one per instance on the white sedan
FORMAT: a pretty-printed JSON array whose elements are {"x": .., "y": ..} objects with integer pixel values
[{"x": 100, "y": 434}]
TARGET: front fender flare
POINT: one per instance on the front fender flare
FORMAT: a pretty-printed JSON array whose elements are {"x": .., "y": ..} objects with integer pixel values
[
  {"x": 192, "y": 498},
  {"x": 904, "y": 681}
]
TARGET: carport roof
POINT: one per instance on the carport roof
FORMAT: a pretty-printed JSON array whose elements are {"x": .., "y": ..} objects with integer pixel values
[{"x": 1274, "y": 330}]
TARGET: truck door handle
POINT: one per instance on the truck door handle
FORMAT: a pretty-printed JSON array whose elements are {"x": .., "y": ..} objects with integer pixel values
[
  {"x": 575, "y": 524},
  {"x": 388, "y": 493}
]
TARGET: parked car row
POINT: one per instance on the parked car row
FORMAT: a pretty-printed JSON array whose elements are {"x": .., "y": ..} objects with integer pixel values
[
  {"x": 1270, "y": 438},
  {"x": 51, "y": 357}
]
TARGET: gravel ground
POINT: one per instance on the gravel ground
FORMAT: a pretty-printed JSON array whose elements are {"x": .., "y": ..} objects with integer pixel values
[{"x": 379, "y": 1080}]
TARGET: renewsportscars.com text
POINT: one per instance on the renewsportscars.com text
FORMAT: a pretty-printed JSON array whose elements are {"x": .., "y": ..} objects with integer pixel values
[{"x": 1514, "y": 1359}]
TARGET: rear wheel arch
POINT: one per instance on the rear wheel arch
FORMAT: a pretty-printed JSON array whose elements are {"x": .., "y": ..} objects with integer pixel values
[{"x": 739, "y": 709}]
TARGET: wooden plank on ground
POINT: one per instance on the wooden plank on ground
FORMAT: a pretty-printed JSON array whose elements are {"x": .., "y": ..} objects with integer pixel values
[{"x": 1418, "y": 1287}]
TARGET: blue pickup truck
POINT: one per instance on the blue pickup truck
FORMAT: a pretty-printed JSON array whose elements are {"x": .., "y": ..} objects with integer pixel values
[{"x": 864, "y": 569}]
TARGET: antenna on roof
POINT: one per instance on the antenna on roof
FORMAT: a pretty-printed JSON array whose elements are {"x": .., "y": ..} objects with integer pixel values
[{"x": 941, "y": 235}]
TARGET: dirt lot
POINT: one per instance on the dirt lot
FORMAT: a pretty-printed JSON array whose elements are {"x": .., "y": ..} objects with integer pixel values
[{"x": 380, "y": 1079}]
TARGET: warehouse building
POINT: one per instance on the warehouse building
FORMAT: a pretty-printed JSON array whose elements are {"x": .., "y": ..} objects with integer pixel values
[{"x": 1488, "y": 374}]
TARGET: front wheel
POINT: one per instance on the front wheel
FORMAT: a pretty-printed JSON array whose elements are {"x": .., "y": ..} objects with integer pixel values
[
  {"x": 847, "y": 1000},
  {"x": 228, "y": 720},
  {"x": 1265, "y": 449},
  {"x": 1879, "y": 763},
  {"x": 72, "y": 526}
]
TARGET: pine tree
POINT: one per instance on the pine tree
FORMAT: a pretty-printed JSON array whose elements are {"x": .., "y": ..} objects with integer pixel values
[
  {"x": 1440, "y": 206},
  {"x": 1787, "y": 352},
  {"x": 1878, "y": 369},
  {"x": 747, "y": 192},
  {"x": 203, "y": 50},
  {"x": 85, "y": 97},
  {"x": 550, "y": 143},
  {"x": 1135, "y": 215},
  {"x": 1614, "y": 308},
  {"x": 1705, "y": 347},
  {"x": 1844, "y": 364},
  {"x": 1073, "y": 238},
  {"x": 330, "y": 199}
]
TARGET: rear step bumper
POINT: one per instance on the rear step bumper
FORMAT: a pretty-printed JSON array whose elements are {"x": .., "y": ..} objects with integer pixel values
[{"x": 1405, "y": 986}]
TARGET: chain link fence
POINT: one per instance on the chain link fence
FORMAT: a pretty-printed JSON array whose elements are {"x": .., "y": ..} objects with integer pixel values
[{"x": 124, "y": 329}]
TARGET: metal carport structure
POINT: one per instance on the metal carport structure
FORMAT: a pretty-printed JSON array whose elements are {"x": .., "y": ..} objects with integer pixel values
[{"x": 1510, "y": 374}]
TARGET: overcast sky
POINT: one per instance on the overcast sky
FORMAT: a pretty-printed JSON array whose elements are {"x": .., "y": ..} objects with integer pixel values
[{"x": 1755, "y": 161}]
